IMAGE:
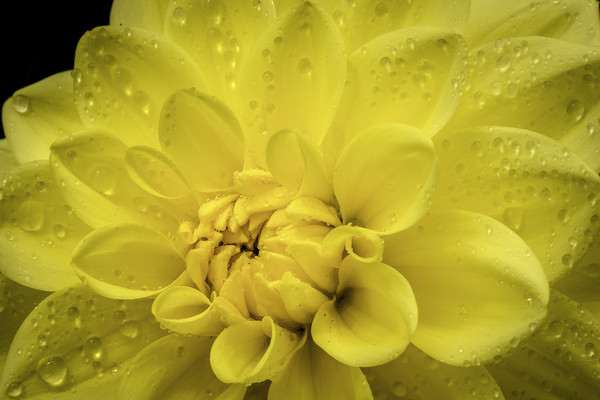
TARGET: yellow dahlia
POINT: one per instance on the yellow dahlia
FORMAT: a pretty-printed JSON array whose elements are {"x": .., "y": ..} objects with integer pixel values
[{"x": 308, "y": 200}]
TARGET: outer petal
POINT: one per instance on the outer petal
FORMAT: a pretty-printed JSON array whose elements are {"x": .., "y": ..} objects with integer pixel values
[
  {"x": 7, "y": 159},
  {"x": 529, "y": 182},
  {"x": 203, "y": 138},
  {"x": 536, "y": 83},
  {"x": 412, "y": 76},
  {"x": 76, "y": 345},
  {"x": 123, "y": 76},
  {"x": 301, "y": 54},
  {"x": 127, "y": 261},
  {"x": 417, "y": 376},
  {"x": 176, "y": 367},
  {"x": 384, "y": 178},
  {"x": 572, "y": 20},
  {"x": 219, "y": 35},
  {"x": 371, "y": 320},
  {"x": 561, "y": 359},
  {"x": 146, "y": 14},
  {"x": 478, "y": 286},
  {"x": 313, "y": 375},
  {"x": 39, "y": 230},
  {"x": 37, "y": 115},
  {"x": 252, "y": 351},
  {"x": 95, "y": 181}
]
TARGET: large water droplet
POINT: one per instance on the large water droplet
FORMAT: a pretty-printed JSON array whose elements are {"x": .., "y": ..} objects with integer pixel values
[
  {"x": 102, "y": 178},
  {"x": 93, "y": 347},
  {"x": 179, "y": 15},
  {"x": 130, "y": 329},
  {"x": 30, "y": 215},
  {"x": 575, "y": 110},
  {"x": 53, "y": 371},
  {"x": 21, "y": 104},
  {"x": 399, "y": 389},
  {"x": 14, "y": 389}
]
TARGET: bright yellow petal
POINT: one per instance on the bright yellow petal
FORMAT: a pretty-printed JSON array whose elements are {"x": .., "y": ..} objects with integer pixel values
[
  {"x": 253, "y": 351},
  {"x": 123, "y": 76},
  {"x": 98, "y": 187},
  {"x": 293, "y": 78},
  {"x": 39, "y": 231},
  {"x": 416, "y": 375},
  {"x": 571, "y": 20},
  {"x": 478, "y": 286},
  {"x": 219, "y": 35},
  {"x": 363, "y": 244},
  {"x": 372, "y": 318},
  {"x": 541, "y": 84},
  {"x": 76, "y": 345},
  {"x": 37, "y": 115},
  {"x": 176, "y": 368},
  {"x": 560, "y": 361},
  {"x": 384, "y": 178},
  {"x": 314, "y": 375},
  {"x": 202, "y": 137},
  {"x": 127, "y": 261},
  {"x": 411, "y": 76},
  {"x": 187, "y": 311},
  {"x": 527, "y": 181},
  {"x": 146, "y": 14}
]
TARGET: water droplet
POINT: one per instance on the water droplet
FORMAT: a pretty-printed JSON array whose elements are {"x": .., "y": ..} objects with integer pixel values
[
  {"x": 503, "y": 63},
  {"x": 119, "y": 315},
  {"x": 304, "y": 66},
  {"x": 21, "y": 104},
  {"x": 60, "y": 231},
  {"x": 590, "y": 350},
  {"x": 567, "y": 260},
  {"x": 477, "y": 148},
  {"x": 575, "y": 110},
  {"x": 563, "y": 216},
  {"x": 513, "y": 218},
  {"x": 267, "y": 76},
  {"x": 93, "y": 347},
  {"x": 89, "y": 98},
  {"x": 102, "y": 178},
  {"x": 53, "y": 371},
  {"x": 142, "y": 100},
  {"x": 179, "y": 15},
  {"x": 130, "y": 329},
  {"x": 30, "y": 215},
  {"x": 399, "y": 389},
  {"x": 73, "y": 313},
  {"x": 14, "y": 389}
]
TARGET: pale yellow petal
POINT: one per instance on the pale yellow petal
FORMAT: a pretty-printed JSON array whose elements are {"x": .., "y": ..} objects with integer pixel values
[
  {"x": 76, "y": 345},
  {"x": 417, "y": 376},
  {"x": 127, "y": 261},
  {"x": 176, "y": 368},
  {"x": 412, "y": 76},
  {"x": 372, "y": 318},
  {"x": 219, "y": 35},
  {"x": 529, "y": 182},
  {"x": 314, "y": 375},
  {"x": 146, "y": 14},
  {"x": 571, "y": 20},
  {"x": 38, "y": 114},
  {"x": 478, "y": 286},
  {"x": 384, "y": 177},
  {"x": 39, "y": 229},
  {"x": 123, "y": 76},
  {"x": 7, "y": 159},
  {"x": 302, "y": 53}
]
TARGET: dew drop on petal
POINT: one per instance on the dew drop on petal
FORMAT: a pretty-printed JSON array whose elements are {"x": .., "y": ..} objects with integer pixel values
[
  {"x": 179, "y": 15},
  {"x": 503, "y": 63},
  {"x": 53, "y": 371},
  {"x": 14, "y": 389},
  {"x": 102, "y": 178},
  {"x": 575, "y": 110},
  {"x": 21, "y": 104},
  {"x": 93, "y": 347},
  {"x": 399, "y": 389},
  {"x": 30, "y": 215},
  {"x": 130, "y": 329},
  {"x": 304, "y": 66}
]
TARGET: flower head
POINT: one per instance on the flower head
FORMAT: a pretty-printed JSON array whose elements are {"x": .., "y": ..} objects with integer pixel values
[{"x": 310, "y": 200}]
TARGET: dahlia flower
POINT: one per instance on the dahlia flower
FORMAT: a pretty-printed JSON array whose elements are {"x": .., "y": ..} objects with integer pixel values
[{"x": 308, "y": 200}]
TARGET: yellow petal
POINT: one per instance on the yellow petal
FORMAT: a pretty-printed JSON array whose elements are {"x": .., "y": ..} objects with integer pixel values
[
  {"x": 296, "y": 163},
  {"x": 561, "y": 358},
  {"x": 301, "y": 54},
  {"x": 527, "y": 181},
  {"x": 37, "y": 115},
  {"x": 314, "y": 375},
  {"x": 253, "y": 351},
  {"x": 7, "y": 159},
  {"x": 384, "y": 178},
  {"x": 571, "y": 20},
  {"x": 202, "y": 136},
  {"x": 94, "y": 180},
  {"x": 176, "y": 368},
  {"x": 322, "y": 270},
  {"x": 123, "y": 76},
  {"x": 127, "y": 261},
  {"x": 371, "y": 320},
  {"x": 363, "y": 244},
  {"x": 301, "y": 300},
  {"x": 540, "y": 84},
  {"x": 411, "y": 76},
  {"x": 219, "y": 36},
  {"x": 39, "y": 231},
  {"x": 187, "y": 311},
  {"x": 478, "y": 286},
  {"x": 416, "y": 375},
  {"x": 146, "y": 14},
  {"x": 76, "y": 345}
]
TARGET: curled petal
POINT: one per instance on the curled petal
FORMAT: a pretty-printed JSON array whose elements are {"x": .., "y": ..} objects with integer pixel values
[
  {"x": 37, "y": 115},
  {"x": 384, "y": 178},
  {"x": 464, "y": 268},
  {"x": 128, "y": 261},
  {"x": 371, "y": 320},
  {"x": 253, "y": 351},
  {"x": 363, "y": 244}
]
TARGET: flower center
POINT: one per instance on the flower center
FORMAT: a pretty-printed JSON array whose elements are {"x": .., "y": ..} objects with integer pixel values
[{"x": 260, "y": 250}]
